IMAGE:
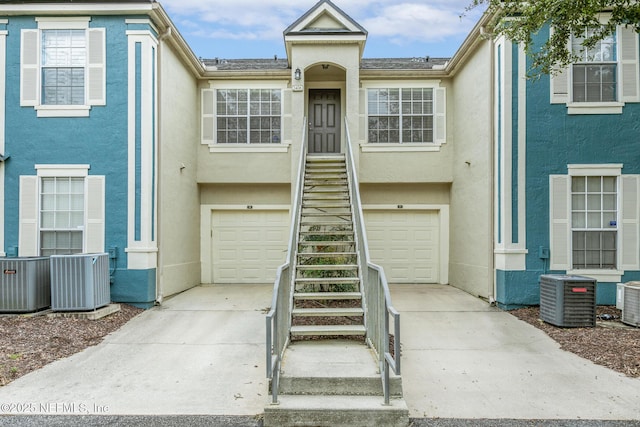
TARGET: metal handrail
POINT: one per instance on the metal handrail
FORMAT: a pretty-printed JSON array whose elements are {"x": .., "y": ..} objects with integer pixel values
[
  {"x": 278, "y": 320},
  {"x": 376, "y": 296}
]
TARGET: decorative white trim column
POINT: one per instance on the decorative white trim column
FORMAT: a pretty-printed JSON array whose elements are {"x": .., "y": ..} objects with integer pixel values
[{"x": 142, "y": 246}]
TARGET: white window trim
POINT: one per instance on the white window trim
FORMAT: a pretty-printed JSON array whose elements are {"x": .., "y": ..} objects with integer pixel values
[
  {"x": 67, "y": 23},
  {"x": 63, "y": 23},
  {"x": 73, "y": 171},
  {"x": 601, "y": 275},
  {"x": 595, "y": 108},
  {"x": 614, "y": 169},
  {"x": 579, "y": 108},
  {"x": 215, "y": 146},
  {"x": 282, "y": 147},
  {"x": 29, "y": 211},
  {"x": 396, "y": 147}
]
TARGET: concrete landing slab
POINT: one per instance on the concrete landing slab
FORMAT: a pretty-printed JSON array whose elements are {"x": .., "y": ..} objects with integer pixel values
[
  {"x": 89, "y": 315},
  {"x": 335, "y": 358},
  {"x": 329, "y": 411},
  {"x": 333, "y": 367}
]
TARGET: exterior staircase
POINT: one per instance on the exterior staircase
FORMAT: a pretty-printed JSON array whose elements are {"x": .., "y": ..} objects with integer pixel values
[
  {"x": 327, "y": 296},
  {"x": 329, "y": 376}
]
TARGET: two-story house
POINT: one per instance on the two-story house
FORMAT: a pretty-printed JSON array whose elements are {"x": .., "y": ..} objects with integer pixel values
[
  {"x": 567, "y": 165},
  {"x": 116, "y": 138},
  {"x": 90, "y": 94}
]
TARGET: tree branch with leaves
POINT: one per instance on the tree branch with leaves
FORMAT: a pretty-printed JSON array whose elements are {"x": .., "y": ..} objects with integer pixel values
[{"x": 520, "y": 21}]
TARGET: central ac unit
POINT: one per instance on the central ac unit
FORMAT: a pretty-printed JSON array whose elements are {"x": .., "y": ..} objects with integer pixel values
[
  {"x": 24, "y": 284},
  {"x": 80, "y": 282},
  {"x": 631, "y": 309},
  {"x": 568, "y": 301}
]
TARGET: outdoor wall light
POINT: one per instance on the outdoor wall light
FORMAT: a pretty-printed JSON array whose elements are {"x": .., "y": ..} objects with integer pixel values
[{"x": 297, "y": 74}]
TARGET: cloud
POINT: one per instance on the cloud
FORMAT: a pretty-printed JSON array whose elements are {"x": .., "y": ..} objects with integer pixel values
[
  {"x": 400, "y": 21},
  {"x": 408, "y": 22}
]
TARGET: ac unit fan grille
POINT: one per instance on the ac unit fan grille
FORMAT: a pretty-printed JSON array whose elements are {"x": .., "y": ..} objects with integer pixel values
[{"x": 568, "y": 301}]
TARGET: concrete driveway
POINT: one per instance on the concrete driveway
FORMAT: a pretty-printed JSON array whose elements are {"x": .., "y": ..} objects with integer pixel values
[{"x": 202, "y": 353}]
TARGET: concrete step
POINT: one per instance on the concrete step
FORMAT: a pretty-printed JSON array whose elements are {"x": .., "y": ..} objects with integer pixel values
[
  {"x": 315, "y": 158},
  {"x": 331, "y": 312},
  {"x": 328, "y": 330},
  {"x": 328, "y": 281},
  {"x": 326, "y": 171},
  {"x": 325, "y": 181},
  {"x": 356, "y": 411},
  {"x": 326, "y": 243},
  {"x": 326, "y": 198},
  {"x": 328, "y": 267},
  {"x": 327, "y": 233},
  {"x": 326, "y": 168},
  {"x": 326, "y": 254},
  {"x": 319, "y": 214},
  {"x": 327, "y": 190},
  {"x": 325, "y": 204},
  {"x": 326, "y": 296},
  {"x": 333, "y": 367}
]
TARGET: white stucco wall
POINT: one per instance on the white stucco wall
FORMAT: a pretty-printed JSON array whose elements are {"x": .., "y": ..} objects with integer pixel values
[
  {"x": 179, "y": 231},
  {"x": 344, "y": 56},
  {"x": 471, "y": 199}
]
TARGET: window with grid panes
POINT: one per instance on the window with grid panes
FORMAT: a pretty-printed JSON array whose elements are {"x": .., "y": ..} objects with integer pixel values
[
  {"x": 63, "y": 67},
  {"x": 61, "y": 215},
  {"x": 594, "y": 224},
  {"x": 595, "y": 73},
  {"x": 248, "y": 116},
  {"x": 400, "y": 115}
]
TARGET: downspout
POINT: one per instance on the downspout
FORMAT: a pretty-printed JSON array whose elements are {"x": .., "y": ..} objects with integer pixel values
[
  {"x": 160, "y": 266},
  {"x": 492, "y": 162}
]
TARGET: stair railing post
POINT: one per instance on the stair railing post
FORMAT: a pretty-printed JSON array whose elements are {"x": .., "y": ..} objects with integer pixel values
[
  {"x": 278, "y": 320},
  {"x": 378, "y": 307}
]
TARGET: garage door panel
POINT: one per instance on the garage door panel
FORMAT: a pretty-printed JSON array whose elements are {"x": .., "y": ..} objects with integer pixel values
[
  {"x": 248, "y": 246},
  {"x": 423, "y": 235},
  {"x": 406, "y": 244},
  {"x": 228, "y": 235},
  {"x": 398, "y": 254},
  {"x": 273, "y": 236}
]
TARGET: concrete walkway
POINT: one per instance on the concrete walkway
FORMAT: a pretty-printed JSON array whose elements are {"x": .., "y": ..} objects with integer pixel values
[{"x": 202, "y": 353}]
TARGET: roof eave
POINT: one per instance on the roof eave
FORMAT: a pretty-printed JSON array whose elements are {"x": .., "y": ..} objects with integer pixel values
[
  {"x": 475, "y": 36},
  {"x": 102, "y": 8},
  {"x": 247, "y": 74},
  {"x": 402, "y": 74}
]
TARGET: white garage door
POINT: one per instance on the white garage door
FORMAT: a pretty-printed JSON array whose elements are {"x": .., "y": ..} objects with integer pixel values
[
  {"x": 406, "y": 244},
  {"x": 248, "y": 246}
]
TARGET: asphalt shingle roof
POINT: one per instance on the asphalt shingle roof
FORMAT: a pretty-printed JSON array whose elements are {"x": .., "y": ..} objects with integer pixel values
[{"x": 417, "y": 63}]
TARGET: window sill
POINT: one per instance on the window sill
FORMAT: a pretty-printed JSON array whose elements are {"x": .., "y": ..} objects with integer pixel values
[
  {"x": 595, "y": 108},
  {"x": 249, "y": 148},
  {"x": 62, "y": 110},
  {"x": 607, "y": 276},
  {"x": 398, "y": 148}
]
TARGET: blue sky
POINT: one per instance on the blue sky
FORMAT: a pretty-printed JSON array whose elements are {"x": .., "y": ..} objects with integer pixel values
[{"x": 234, "y": 29}]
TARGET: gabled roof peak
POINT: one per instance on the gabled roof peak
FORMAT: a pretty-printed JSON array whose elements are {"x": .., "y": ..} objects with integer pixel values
[
  {"x": 322, "y": 23},
  {"x": 325, "y": 17}
]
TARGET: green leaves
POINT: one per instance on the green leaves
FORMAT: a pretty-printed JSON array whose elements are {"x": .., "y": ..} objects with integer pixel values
[{"x": 521, "y": 21}]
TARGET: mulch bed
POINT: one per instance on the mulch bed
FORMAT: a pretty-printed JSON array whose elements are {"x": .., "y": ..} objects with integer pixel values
[
  {"x": 30, "y": 342},
  {"x": 611, "y": 343}
]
